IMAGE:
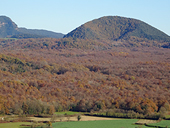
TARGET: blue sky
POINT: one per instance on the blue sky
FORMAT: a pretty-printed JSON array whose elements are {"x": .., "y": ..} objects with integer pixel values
[{"x": 65, "y": 15}]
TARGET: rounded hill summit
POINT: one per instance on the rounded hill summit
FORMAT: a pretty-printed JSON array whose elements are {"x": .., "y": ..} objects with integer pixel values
[{"x": 116, "y": 27}]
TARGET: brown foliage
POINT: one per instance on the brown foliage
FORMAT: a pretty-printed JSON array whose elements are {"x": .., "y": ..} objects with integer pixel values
[{"x": 131, "y": 79}]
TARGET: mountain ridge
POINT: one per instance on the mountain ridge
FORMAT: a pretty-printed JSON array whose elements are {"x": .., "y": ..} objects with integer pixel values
[
  {"x": 107, "y": 28},
  {"x": 41, "y": 32},
  {"x": 10, "y": 29}
]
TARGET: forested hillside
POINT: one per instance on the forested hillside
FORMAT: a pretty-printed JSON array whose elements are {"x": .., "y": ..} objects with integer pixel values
[
  {"x": 115, "y": 27},
  {"x": 43, "y": 33},
  {"x": 46, "y": 75}
]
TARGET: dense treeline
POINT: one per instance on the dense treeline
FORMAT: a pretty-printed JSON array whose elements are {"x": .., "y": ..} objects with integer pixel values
[
  {"x": 70, "y": 43},
  {"x": 25, "y": 36},
  {"x": 40, "y": 76}
]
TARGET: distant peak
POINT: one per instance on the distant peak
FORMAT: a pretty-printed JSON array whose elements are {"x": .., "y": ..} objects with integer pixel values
[{"x": 9, "y": 29}]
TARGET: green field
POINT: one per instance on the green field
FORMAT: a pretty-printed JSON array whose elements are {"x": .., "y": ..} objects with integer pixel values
[
  {"x": 163, "y": 123},
  {"x": 123, "y": 123},
  {"x": 67, "y": 112},
  {"x": 14, "y": 125},
  {"x": 167, "y": 116}
]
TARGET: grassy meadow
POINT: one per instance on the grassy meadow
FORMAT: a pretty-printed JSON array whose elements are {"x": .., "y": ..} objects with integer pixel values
[
  {"x": 93, "y": 123},
  {"x": 123, "y": 123},
  {"x": 67, "y": 112},
  {"x": 14, "y": 125},
  {"x": 163, "y": 123}
]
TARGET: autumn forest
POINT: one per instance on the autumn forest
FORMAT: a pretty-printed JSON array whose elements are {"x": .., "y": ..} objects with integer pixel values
[
  {"x": 116, "y": 66},
  {"x": 46, "y": 75}
]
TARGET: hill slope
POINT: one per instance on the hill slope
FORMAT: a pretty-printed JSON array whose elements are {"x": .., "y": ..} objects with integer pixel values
[
  {"x": 41, "y": 32},
  {"x": 9, "y": 29},
  {"x": 115, "y": 27}
]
